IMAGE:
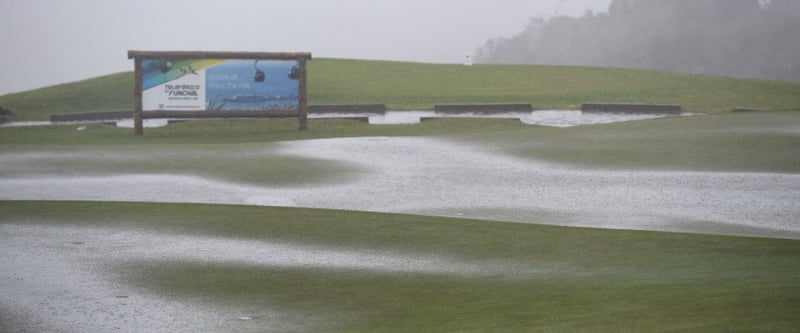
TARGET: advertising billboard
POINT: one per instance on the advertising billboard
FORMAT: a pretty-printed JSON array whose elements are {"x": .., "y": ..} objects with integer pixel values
[
  {"x": 219, "y": 84},
  {"x": 170, "y": 84}
]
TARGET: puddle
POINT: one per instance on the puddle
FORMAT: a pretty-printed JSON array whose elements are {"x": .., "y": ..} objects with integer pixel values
[
  {"x": 25, "y": 123},
  {"x": 439, "y": 177},
  {"x": 564, "y": 118},
  {"x": 57, "y": 278},
  {"x": 123, "y": 123},
  {"x": 146, "y": 123},
  {"x": 50, "y": 284},
  {"x": 554, "y": 118}
]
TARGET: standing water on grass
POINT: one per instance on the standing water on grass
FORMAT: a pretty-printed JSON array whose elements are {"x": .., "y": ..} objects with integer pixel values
[{"x": 442, "y": 177}]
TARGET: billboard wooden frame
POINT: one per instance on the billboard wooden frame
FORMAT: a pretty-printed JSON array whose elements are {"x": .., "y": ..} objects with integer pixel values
[{"x": 139, "y": 114}]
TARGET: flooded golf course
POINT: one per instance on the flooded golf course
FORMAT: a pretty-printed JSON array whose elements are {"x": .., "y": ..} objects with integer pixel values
[
  {"x": 442, "y": 177},
  {"x": 68, "y": 278}
]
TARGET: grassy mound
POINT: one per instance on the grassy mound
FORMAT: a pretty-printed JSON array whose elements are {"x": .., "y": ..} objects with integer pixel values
[
  {"x": 106, "y": 93},
  {"x": 420, "y": 86},
  {"x": 406, "y": 86}
]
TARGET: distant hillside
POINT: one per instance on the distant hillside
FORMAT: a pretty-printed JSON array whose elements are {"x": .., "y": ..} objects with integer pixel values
[
  {"x": 406, "y": 86},
  {"x": 111, "y": 92}
]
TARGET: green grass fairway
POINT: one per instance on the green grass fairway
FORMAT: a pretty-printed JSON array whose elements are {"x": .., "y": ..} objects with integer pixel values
[
  {"x": 738, "y": 142},
  {"x": 241, "y": 131},
  {"x": 407, "y": 86},
  {"x": 752, "y": 142},
  {"x": 420, "y": 86},
  {"x": 562, "y": 280}
]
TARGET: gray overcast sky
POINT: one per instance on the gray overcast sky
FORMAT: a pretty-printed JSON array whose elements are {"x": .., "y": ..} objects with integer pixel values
[{"x": 46, "y": 42}]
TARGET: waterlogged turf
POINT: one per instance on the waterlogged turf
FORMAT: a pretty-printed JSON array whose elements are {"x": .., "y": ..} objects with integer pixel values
[
  {"x": 724, "y": 174},
  {"x": 735, "y": 142},
  {"x": 83, "y": 266},
  {"x": 105, "y": 266},
  {"x": 243, "y": 164}
]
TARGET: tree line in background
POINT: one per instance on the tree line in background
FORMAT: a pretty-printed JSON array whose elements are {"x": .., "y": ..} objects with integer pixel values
[{"x": 740, "y": 38}]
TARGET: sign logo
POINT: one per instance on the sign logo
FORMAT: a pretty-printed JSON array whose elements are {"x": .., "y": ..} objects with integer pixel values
[{"x": 219, "y": 85}]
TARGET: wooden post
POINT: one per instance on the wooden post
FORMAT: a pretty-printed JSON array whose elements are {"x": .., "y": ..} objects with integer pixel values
[
  {"x": 303, "y": 107},
  {"x": 138, "y": 127}
]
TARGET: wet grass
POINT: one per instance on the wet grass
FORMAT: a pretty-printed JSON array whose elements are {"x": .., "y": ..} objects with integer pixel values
[
  {"x": 408, "y": 86},
  {"x": 419, "y": 86},
  {"x": 736, "y": 142},
  {"x": 106, "y": 93},
  {"x": 751, "y": 142},
  {"x": 248, "y": 165},
  {"x": 597, "y": 280},
  {"x": 239, "y": 131},
  {"x": 608, "y": 280}
]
